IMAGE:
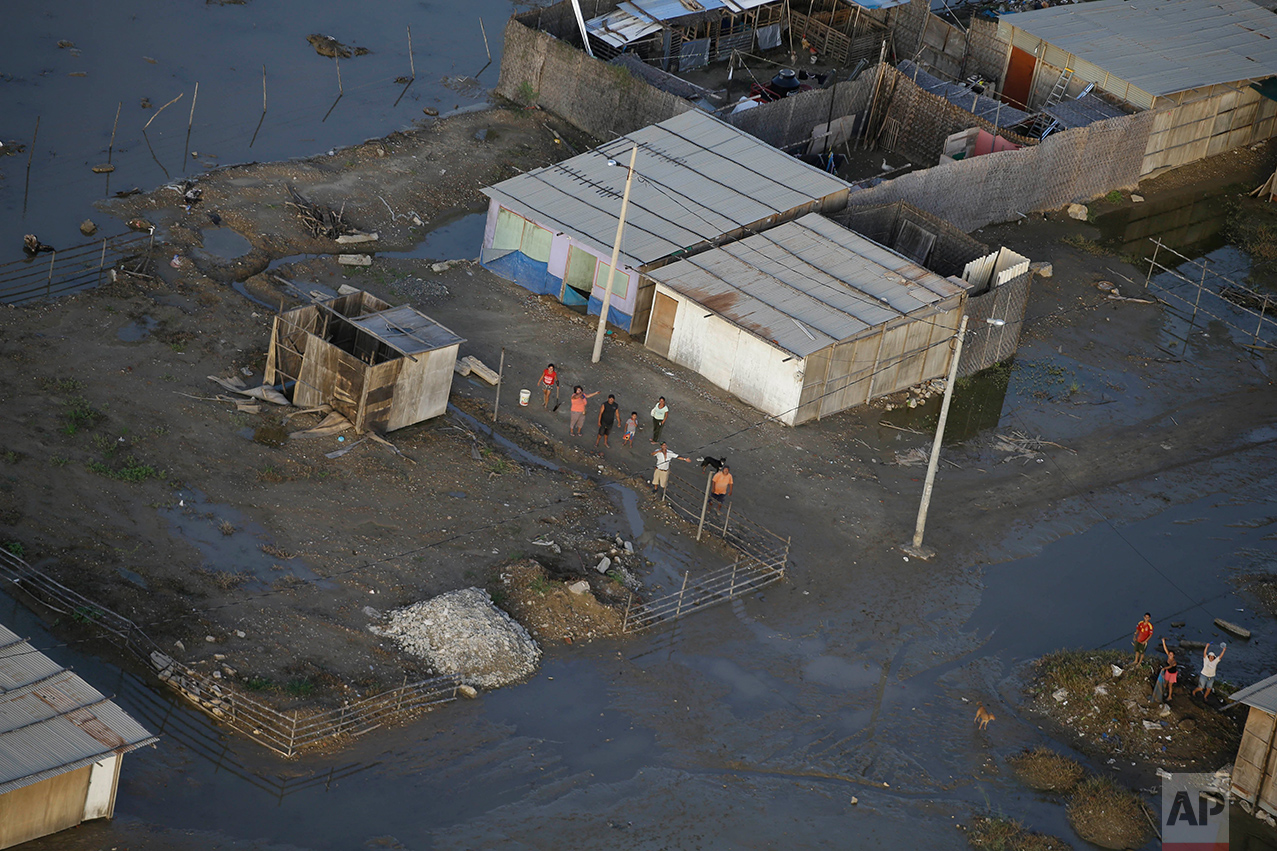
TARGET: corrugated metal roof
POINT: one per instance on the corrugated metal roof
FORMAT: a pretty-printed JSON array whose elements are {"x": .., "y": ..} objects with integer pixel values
[
  {"x": 1162, "y": 46},
  {"x": 1262, "y": 695},
  {"x": 1079, "y": 112},
  {"x": 619, "y": 27},
  {"x": 807, "y": 284},
  {"x": 696, "y": 178},
  {"x": 51, "y": 721},
  {"x": 994, "y": 111},
  {"x": 406, "y": 329}
]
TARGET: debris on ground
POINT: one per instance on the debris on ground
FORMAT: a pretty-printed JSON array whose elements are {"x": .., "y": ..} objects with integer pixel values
[
  {"x": 553, "y": 610},
  {"x": 463, "y": 633},
  {"x": 1121, "y": 720},
  {"x": 323, "y": 222},
  {"x": 1047, "y": 771},
  {"x": 326, "y": 45},
  {"x": 1108, "y": 815},
  {"x": 996, "y": 833}
]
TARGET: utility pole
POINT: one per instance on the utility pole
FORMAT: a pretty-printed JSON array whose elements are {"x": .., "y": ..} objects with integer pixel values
[
  {"x": 916, "y": 548},
  {"x": 616, "y": 253}
]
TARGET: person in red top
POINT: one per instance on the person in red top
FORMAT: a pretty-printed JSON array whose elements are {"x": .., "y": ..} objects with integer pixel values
[
  {"x": 1143, "y": 632},
  {"x": 549, "y": 378}
]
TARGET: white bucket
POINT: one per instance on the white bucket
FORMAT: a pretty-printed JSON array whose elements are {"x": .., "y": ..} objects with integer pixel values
[{"x": 525, "y": 396}]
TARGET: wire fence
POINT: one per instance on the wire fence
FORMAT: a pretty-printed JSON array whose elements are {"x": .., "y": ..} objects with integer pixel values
[
  {"x": 285, "y": 733},
  {"x": 762, "y": 560},
  {"x": 1248, "y": 311},
  {"x": 69, "y": 270},
  {"x": 752, "y": 539},
  {"x": 742, "y": 576}
]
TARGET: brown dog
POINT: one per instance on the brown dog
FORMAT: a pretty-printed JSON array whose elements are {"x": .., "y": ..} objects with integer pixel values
[{"x": 983, "y": 716}]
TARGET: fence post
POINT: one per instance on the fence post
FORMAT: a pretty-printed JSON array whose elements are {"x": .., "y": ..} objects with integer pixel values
[
  {"x": 709, "y": 479},
  {"x": 1200, "y": 286},
  {"x": 292, "y": 736},
  {"x": 1263, "y": 308},
  {"x": 728, "y": 516},
  {"x": 102, "y": 261},
  {"x": 731, "y": 590},
  {"x": 1157, "y": 246},
  {"x": 48, "y": 287},
  {"x": 625, "y": 620},
  {"x": 679, "y": 606}
]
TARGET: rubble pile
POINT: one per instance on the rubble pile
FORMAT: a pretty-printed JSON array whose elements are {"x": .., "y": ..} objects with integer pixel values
[{"x": 463, "y": 633}]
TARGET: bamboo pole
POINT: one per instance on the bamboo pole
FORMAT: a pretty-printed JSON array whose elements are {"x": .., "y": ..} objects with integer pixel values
[
  {"x": 49, "y": 284},
  {"x": 110, "y": 149},
  {"x": 916, "y": 547},
  {"x": 257, "y": 129},
  {"x": 496, "y": 405},
  {"x": 709, "y": 479},
  {"x": 412, "y": 65},
  {"x": 190, "y": 122},
  {"x": 678, "y": 608},
  {"x": 30, "y": 154},
  {"x": 485, "y": 40},
  {"x": 158, "y": 111}
]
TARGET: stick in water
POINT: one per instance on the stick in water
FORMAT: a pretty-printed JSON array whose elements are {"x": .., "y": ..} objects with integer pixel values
[
  {"x": 110, "y": 150},
  {"x": 161, "y": 109}
]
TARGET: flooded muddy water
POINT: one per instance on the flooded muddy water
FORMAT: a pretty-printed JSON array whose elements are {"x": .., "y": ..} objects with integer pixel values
[{"x": 140, "y": 57}]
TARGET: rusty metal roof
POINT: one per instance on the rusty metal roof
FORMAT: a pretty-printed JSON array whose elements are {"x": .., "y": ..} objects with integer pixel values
[
  {"x": 696, "y": 179},
  {"x": 1261, "y": 695},
  {"x": 1162, "y": 46},
  {"x": 808, "y": 284},
  {"x": 51, "y": 721}
]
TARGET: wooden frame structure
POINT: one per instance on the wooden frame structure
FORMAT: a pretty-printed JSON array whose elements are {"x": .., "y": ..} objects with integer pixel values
[{"x": 379, "y": 366}]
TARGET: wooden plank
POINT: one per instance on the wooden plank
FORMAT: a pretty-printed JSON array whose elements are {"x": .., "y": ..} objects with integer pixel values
[{"x": 478, "y": 368}]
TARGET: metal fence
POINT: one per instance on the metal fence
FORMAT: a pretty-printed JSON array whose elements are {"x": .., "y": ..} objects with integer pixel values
[
  {"x": 284, "y": 733},
  {"x": 736, "y": 579},
  {"x": 750, "y": 538},
  {"x": 1248, "y": 311},
  {"x": 762, "y": 561},
  {"x": 68, "y": 270}
]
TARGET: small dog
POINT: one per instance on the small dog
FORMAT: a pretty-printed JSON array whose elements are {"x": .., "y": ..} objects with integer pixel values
[
  {"x": 983, "y": 716},
  {"x": 714, "y": 464}
]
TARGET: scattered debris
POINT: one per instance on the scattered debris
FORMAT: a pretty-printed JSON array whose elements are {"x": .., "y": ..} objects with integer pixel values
[
  {"x": 1229, "y": 626},
  {"x": 1079, "y": 212},
  {"x": 88, "y": 228},
  {"x": 326, "y": 45},
  {"x": 354, "y": 259},
  {"x": 321, "y": 221},
  {"x": 477, "y": 367}
]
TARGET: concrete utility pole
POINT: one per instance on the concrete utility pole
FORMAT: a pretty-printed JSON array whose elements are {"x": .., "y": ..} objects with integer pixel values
[
  {"x": 616, "y": 253},
  {"x": 916, "y": 548}
]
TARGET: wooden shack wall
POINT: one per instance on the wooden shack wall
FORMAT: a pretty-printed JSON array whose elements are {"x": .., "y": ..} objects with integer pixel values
[
  {"x": 1255, "y": 766},
  {"x": 422, "y": 387},
  {"x": 42, "y": 808},
  {"x": 330, "y": 376}
]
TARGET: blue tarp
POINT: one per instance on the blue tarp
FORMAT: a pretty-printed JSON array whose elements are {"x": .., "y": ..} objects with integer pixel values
[{"x": 524, "y": 271}]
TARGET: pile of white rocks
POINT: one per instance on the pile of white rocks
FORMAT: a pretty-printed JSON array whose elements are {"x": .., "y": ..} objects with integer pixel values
[{"x": 463, "y": 633}]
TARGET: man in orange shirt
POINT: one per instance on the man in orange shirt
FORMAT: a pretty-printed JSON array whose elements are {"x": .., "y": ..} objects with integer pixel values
[
  {"x": 721, "y": 486},
  {"x": 1143, "y": 632}
]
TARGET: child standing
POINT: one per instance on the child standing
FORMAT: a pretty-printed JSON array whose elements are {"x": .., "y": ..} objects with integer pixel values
[{"x": 631, "y": 426}]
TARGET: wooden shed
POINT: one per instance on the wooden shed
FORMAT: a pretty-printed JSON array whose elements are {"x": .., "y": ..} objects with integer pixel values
[
  {"x": 379, "y": 366},
  {"x": 61, "y": 744},
  {"x": 1255, "y": 770}
]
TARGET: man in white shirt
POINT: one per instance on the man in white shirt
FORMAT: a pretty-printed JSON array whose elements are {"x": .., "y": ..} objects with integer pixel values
[
  {"x": 1206, "y": 679},
  {"x": 663, "y": 457}
]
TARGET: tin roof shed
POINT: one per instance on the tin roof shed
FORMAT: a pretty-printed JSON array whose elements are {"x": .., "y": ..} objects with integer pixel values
[
  {"x": 51, "y": 721},
  {"x": 697, "y": 180},
  {"x": 1159, "y": 46}
]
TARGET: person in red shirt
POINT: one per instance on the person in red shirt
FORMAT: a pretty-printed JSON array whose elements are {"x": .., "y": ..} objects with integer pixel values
[
  {"x": 1143, "y": 632},
  {"x": 549, "y": 378}
]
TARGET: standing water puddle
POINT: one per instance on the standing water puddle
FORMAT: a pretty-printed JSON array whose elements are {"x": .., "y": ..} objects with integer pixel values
[
  {"x": 231, "y": 543},
  {"x": 224, "y": 243},
  {"x": 456, "y": 240},
  {"x": 138, "y": 329}
]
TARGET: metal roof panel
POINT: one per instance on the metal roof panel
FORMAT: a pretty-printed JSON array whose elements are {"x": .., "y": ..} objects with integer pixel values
[
  {"x": 1162, "y": 46},
  {"x": 1261, "y": 695}
]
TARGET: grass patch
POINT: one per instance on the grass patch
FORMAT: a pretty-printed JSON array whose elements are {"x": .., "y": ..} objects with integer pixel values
[
  {"x": 1088, "y": 246},
  {"x": 1114, "y": 197},
  {"x": 273, "y": 475},
  {"x": 225, "y": 579},
  {"x": 132, "y": 471},
  {"x": 15, "y": 548},
  {"x": 300, "y": 687},
  {"x": 1047, "y": 771},
  {"x": 259, "y": 684},
  {"x": 61, "y": 385},
  {"x": 1107, "y": 815},
  {"x": 994, "y": 833},
  {"x": 78, "y": 414}
]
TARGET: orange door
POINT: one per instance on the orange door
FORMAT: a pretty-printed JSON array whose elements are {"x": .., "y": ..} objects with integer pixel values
[{"x": 1019, "y": 78}]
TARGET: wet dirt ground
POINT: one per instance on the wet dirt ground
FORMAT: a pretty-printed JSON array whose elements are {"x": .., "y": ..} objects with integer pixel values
[
  {"x": 756, "y": 724},
  {"x": 750, "y": 725}
]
